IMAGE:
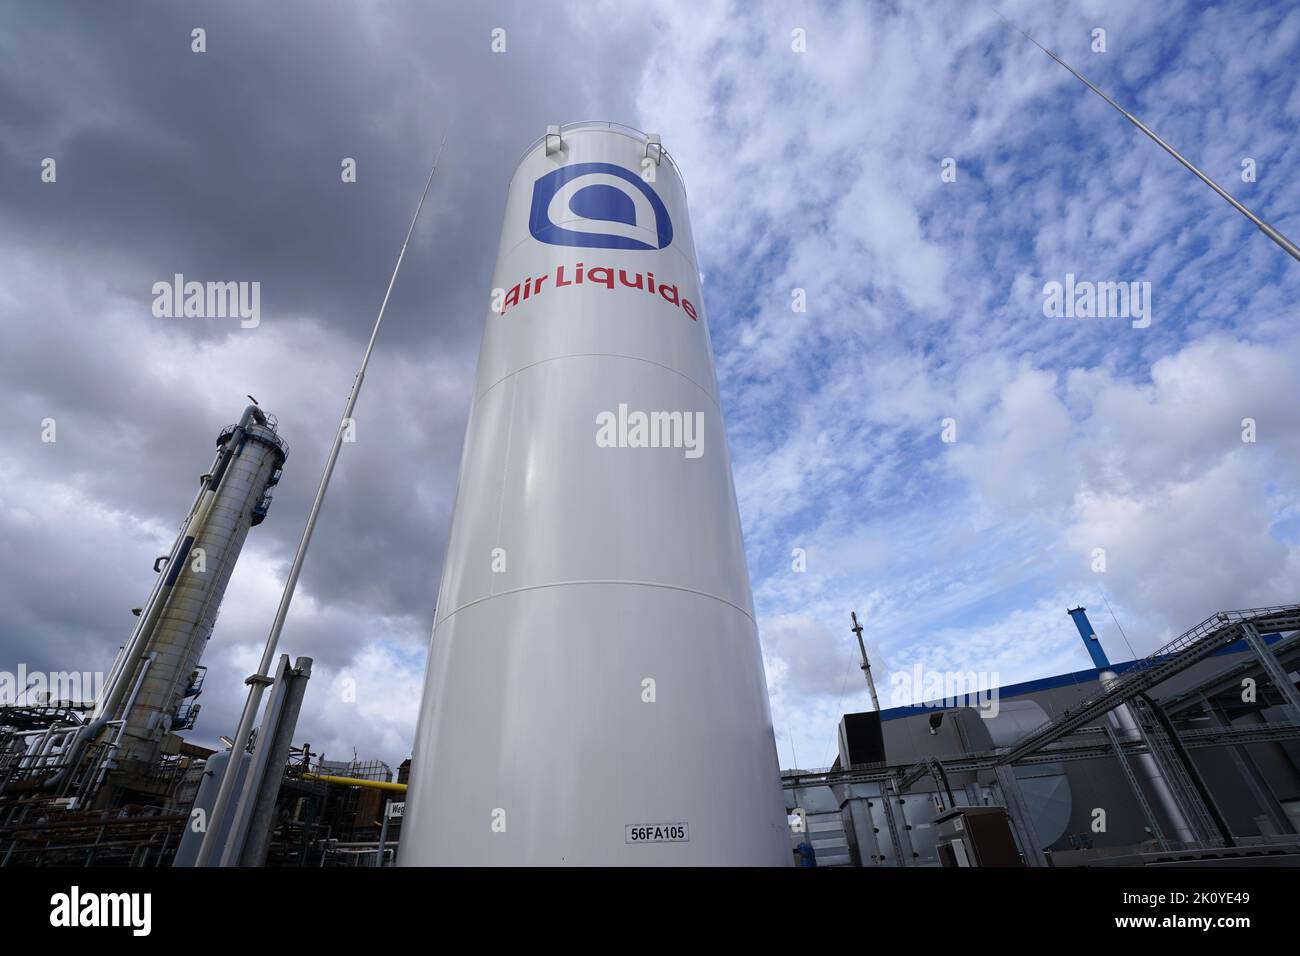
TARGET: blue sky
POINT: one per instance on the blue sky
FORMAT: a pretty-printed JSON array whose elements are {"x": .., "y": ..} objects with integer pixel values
[{"x": 821, "y": 171}]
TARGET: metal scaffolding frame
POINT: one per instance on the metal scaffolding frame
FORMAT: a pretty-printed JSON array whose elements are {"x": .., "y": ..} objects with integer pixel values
[
  {"x": 1190, "y": 647},
  {"x": 1229, "y": 680},
  {"x": 1095, "y": 746},
  {"x": 1136, "y": 788}
]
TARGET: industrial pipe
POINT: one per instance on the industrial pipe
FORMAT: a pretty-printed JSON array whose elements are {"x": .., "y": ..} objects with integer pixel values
[
  {"x": 1123, "y": 720},
  {"x": 355, "y": 782},
  {"x": 1193, "y": 773},
  {"x": 273, "y": 744},
  {"x": 117, "y": 738}
]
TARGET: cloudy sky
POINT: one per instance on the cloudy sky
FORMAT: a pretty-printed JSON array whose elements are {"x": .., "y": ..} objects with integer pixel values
[{"x": 817, "y": 170}]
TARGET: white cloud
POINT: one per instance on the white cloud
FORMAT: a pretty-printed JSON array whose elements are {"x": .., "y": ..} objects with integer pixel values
[{"x": 821, "y": 171}]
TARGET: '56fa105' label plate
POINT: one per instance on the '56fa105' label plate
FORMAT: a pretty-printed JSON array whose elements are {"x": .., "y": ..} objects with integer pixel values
[{"x": 657, "y": 833}]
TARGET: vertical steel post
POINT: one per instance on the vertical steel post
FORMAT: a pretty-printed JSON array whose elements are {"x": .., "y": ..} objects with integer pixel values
[
  {"x": 253, "y": 779},
  {"x": 1019, "y": 814},
  {"x": 257, "y": 835},
  {"x": 1249, "y": 771},
  {"x": 383, "y": 833}
]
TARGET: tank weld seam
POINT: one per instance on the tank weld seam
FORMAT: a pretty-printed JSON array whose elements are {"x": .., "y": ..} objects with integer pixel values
[
  {"x": 634, "y": 358},
  {"x": 559, "y": 584}
]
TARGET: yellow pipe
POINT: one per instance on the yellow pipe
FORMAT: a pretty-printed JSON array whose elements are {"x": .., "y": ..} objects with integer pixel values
[{"x": 356, "y": 782}]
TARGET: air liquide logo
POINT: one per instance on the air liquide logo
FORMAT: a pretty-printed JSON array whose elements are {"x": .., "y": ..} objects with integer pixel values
[{"x": 598, "y": 206}]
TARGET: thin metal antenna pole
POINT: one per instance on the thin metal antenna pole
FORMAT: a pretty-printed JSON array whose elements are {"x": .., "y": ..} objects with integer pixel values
[
  {"x": 1131, "y": 653},
  {"x": 258, "y": 681},
  {"x": 865, "y": 665},
  {"x": 1264, "y": 227}
]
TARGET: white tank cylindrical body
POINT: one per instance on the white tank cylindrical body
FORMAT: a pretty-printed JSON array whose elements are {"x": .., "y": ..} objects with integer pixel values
[{"x": 595, "y": 690}]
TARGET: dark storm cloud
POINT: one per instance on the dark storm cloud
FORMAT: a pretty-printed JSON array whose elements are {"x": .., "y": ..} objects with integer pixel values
[
  {"x": 225, "y": 166},
  {"x": 228, "y": 162}
]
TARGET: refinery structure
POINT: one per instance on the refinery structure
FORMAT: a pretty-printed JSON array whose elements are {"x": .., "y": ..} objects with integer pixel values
[
  {"x": 71, "y": 759},
  {"x": 595, "y": 692}
]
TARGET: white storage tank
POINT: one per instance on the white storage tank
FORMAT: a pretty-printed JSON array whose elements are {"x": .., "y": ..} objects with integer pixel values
[{"x": 595, "y": 690}]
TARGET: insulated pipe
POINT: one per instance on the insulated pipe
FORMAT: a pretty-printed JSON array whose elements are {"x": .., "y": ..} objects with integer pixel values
[
  {"x": 73, "y": 748},
  {"x": 94, "y": 771},
  {"x": 256, "y": 835},
  {"x": 1122, "y": 719},
  {"x": 238, "y": 815},
  {"x": 117, "y": 738},
  {"x": 60, "y": 740},
  {"x": 32, "y": 758},
  {"x": 355, "y": 782},
  {"x": 1193, "y": 773},
  {"x": 36, "y": 758}
]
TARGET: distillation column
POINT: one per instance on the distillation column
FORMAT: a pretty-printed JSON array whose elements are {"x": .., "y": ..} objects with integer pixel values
[{"x": 155, "y": 672}]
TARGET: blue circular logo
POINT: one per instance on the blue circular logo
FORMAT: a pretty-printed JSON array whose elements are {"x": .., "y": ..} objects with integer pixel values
[{"x": 596, "y": 197}]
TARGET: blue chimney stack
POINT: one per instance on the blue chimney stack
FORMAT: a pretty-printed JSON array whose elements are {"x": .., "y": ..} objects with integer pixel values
[{"x": 1089, "y": 636}]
